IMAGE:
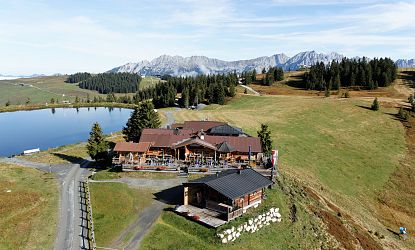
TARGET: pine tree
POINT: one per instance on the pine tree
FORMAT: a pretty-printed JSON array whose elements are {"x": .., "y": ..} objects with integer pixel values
[
  {"x": 253, "y": 76},
  {"x": 77, "y": 100},
  {"x": 8, "y": 103},
  {"x": 220, "y": 94},
  {"x": 142, "y": 117},
  {"x": 52, "y": 100},
  {"x": 27, "y": 101},
  {"x": 185, "y": 98},
  {"x": 97, "y": 147},
  {"x": 232, "y": 90},
  {"x": 264, "y": 135},
  {"x": 375, "y": 105}
]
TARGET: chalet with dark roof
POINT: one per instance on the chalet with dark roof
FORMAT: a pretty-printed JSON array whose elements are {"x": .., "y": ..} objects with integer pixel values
[{"x": 228, "y": 193}]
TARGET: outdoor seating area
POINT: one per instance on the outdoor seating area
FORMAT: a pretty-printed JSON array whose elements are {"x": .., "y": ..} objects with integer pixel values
[{"x": 203, "y": 215}]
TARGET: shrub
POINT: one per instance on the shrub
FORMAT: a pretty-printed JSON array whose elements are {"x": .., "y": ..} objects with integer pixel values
[
  {"x": 375, "y": 105},
  {"x": 411, "y": 99},
  {"x": 403, "y": 114},
  {"x": 347, "y": 94},
  {"x": 327, "y": 93}
]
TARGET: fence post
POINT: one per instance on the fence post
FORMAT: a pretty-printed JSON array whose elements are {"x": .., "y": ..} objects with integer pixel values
[{"x": 94, "y": 246}]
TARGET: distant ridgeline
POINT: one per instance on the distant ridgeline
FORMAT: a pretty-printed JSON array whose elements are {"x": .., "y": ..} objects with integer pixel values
[
  {"x": 350, "y": 72},
  {"x": 194, "y": 90},
  {"x": 107, "y": 82}
]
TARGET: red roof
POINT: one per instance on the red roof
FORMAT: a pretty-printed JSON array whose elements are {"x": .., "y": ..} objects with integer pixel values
[
  {"x": 162, "y": 140},
  {"x": 132, "y": 147},
  {"x": 164, "y": 131},
  {"x": 240, "y": 144},
  {"x": 194, "y": 141},
  {"x": 198, "y": 125}
]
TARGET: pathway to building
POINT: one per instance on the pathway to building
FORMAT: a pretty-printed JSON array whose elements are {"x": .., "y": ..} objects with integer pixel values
[{"x": 149, "y": 215}]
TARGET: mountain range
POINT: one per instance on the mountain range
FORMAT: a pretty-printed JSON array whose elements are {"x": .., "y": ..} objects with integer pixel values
[{"x": 195, "y": 65}]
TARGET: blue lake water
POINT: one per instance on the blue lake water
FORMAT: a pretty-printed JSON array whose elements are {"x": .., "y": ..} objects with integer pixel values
[{"x": 49, "y": 128}]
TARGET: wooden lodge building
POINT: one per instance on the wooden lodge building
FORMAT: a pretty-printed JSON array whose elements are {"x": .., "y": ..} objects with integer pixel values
[
  {"x": 218, "y": 198},
  {"x": 192, "y": 142}
]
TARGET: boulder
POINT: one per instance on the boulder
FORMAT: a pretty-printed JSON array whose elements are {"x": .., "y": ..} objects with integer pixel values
[
  {"x": 278, "y": 215},
  {"x": 229, "y": 237},
  {"x": 224, "y": 241},
  {"x": 221, "y": 236}
]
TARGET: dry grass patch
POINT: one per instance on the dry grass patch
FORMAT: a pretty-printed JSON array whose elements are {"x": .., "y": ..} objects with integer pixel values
[{"x": 29, "y": 211}]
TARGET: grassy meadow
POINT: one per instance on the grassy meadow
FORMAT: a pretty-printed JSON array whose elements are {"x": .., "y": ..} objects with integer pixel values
[
  {"x": 29, "y": 212},
  {"x": 115, "y": 206},
  {"x": 41, "y": 89},
  {"x": 336, "y": 146}
]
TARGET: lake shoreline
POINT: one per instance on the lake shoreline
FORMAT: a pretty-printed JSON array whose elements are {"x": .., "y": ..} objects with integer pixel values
[
  {"x": 14, "y": 108},
  {"x": 56, "y": 126}
]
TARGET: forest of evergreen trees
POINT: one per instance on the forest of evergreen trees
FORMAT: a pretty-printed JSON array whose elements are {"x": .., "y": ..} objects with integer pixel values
[
  {"x": 77, "y": 77},
  {"x": 203, "y": 88},
  {"x": 271, "y": 75},
  {"x": 369, "y": 74},
  {"x": 107, "y": 82}
]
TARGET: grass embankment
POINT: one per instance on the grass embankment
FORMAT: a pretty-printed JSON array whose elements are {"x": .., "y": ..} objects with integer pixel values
[
  {"x": 29, "y": 211},
  {"x": 115, "y": 206},
  {"x": 338, "y": 146},
  {"x": 67, "y": 153}
]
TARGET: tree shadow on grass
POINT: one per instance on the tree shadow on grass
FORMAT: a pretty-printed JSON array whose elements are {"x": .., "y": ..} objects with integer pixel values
[
  {"x": 364, "y": 107},
  {"x": 170, "y": 196},
  {"x": 70, "y": 158}
]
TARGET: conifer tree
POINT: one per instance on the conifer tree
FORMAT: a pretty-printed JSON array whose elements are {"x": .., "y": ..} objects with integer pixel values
[
  {"x": 264, "y": 135},
  {"x": 97, "y": 147},
  {"x": 232, "y": 90},
  {"x": 8, "y": 103},
  {"x": 375, "y": 105},
  {"x": 143, "y": 116}
]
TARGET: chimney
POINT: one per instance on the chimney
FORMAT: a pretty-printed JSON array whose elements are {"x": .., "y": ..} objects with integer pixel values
[
  {"x": 217, "y": 174},
  {"x": 202, "y": 134}
]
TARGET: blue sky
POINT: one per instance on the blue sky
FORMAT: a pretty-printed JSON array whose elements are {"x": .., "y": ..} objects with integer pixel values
[{"x": 69, "y": 36}]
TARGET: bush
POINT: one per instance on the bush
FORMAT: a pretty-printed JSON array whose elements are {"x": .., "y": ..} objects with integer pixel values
[
  {"x": 375, "y": 105},
  {"x": 403, "y": 114},
  {"x": 411, "y": 99},
  {"x": 327, "y": 93},
  {"x": 346, "y": 94}
]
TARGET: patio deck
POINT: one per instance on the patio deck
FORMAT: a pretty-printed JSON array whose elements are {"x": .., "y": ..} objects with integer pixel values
[{"x": 206, "y": 216}]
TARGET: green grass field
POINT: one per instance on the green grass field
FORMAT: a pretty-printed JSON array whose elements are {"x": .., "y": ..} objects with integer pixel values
[
  {"x": 349, "y": 149},
  {"x": 115, "y": 206},
  {"x": 337, "y": 146},
  {"x": 41, "y": 89},
  {"x": 29, "y": 211}
]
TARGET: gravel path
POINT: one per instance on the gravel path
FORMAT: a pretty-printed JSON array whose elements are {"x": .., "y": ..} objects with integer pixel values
[{"x": 251, "y": 89}]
